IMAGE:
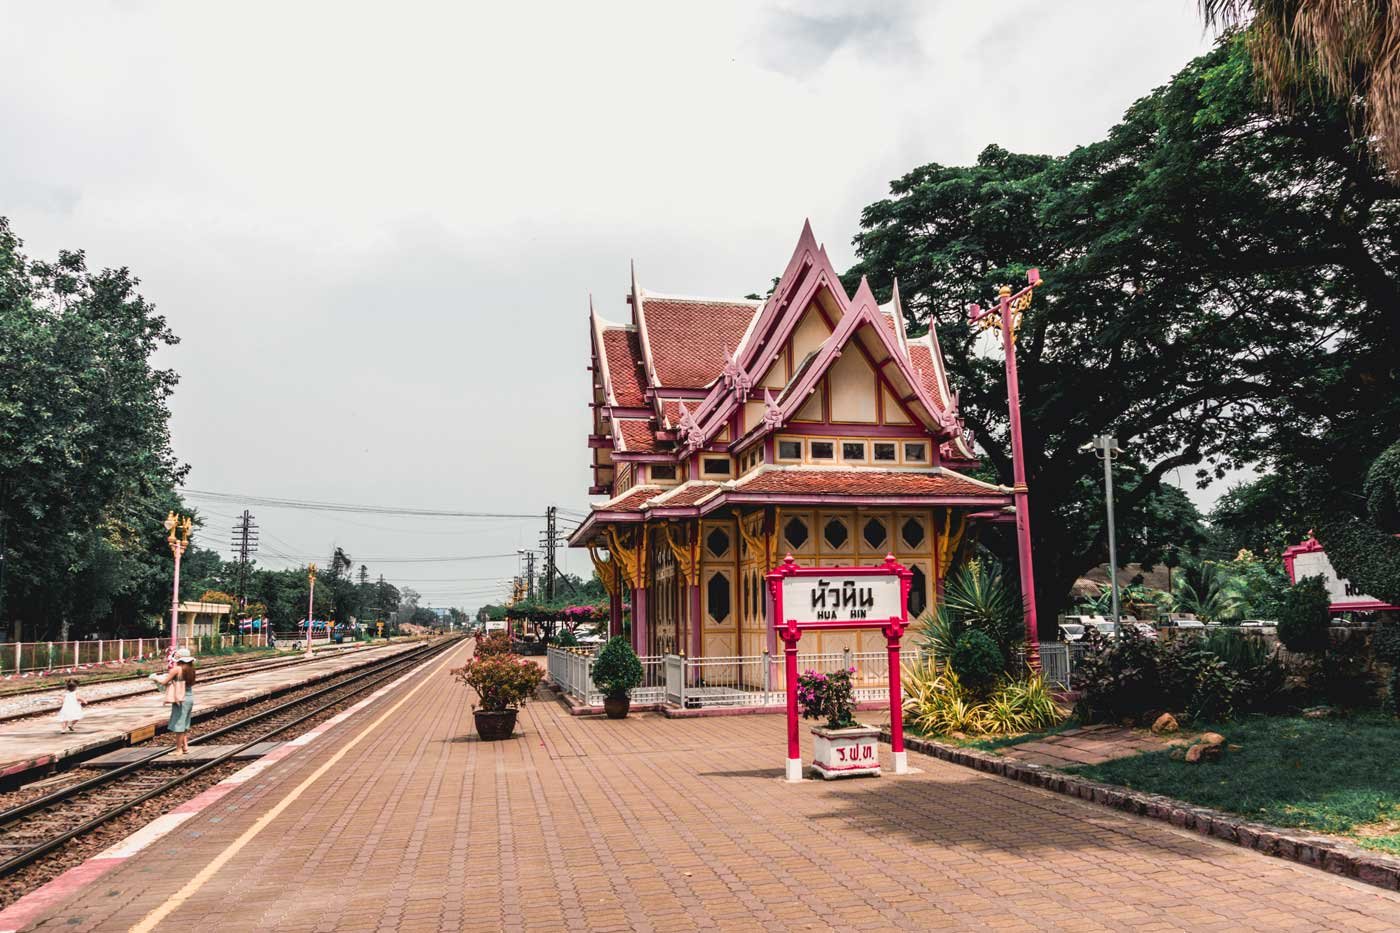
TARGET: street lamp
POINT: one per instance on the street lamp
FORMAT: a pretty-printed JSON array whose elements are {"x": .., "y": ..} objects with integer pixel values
[
  {"x": 177, "y": 529},
  {"x": 310, "y": 607},
  {"x": 1007, "y": 316},
  {"x": 1105, "y": 447}
]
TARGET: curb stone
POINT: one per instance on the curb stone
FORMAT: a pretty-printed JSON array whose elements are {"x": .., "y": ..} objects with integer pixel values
[{"x": 1329, "y": 855}]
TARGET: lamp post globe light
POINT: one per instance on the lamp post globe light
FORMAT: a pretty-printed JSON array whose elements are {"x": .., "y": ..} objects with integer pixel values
[
  {"x": 177, "y": 529},
  {"x": 1006, "y": 316},
  {"x": 310, "y": 607}
]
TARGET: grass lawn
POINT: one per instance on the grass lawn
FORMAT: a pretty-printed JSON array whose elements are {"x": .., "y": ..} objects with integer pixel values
[{"x": 1329, "y": 775}]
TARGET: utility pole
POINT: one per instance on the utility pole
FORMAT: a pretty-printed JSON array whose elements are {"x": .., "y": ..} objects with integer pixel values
[
  {"x": 530, "y": 575},
  {"x": 1105, "y": 447},
  {"x": 244, "y": 544},
  {"x": 551, "y": 543}
]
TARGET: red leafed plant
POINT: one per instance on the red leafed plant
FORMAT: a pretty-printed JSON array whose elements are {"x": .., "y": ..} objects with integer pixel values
[
  {"x": 497, "y": 643},
  {"x": 502, "y": 681}
]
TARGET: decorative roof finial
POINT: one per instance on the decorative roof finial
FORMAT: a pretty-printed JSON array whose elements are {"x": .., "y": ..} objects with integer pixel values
[
  {"x": 734, "y": 376},
  {"x": 772, "y": 414},
  {"x": 686, "y": 427}
]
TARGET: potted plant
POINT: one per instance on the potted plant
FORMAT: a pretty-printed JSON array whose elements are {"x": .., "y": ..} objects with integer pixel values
[
  {"x": 842, "y": 747},
  {"x": 616, "y": 672},
  {"x": 502, "y": 683}
]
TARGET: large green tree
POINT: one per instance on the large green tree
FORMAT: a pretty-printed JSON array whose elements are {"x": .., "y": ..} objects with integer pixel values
[
  {"x": 1220, "y": 291},
  {"x": 86, "y": 468}
]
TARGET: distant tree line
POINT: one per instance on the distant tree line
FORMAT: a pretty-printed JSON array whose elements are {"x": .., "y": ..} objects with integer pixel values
[{"x": 87, "y": 472}]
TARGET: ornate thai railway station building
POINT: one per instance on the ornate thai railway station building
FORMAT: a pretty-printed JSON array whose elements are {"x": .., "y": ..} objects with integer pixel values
[{"x": 728, "y": 434}]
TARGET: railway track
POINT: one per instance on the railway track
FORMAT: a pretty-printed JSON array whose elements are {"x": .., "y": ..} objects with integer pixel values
[
  {"x": 33, "y": 830},
  {"x": 140, "y": 685}
]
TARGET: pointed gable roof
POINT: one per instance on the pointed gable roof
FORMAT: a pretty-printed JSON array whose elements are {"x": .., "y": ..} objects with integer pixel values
[
  {"x": 878, "y": 334},
  {"x": 619, "y": 358},
  {"x": 684, "y": 340}
]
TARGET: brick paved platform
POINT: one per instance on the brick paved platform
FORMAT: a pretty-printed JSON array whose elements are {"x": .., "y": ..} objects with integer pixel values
[
  {"x": 38, "y": 742},
  {"x": 399, "y": 819}
]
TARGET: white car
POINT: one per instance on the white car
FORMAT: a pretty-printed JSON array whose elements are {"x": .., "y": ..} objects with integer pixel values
[{"x": 1071, "y": 631}]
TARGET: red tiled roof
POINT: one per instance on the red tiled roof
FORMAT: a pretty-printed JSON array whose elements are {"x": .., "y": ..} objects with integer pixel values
[
  {"x": 631, "y": 500},
  {"x": 922, "y": 358},
  {"x": 686, "y": 495},
  {"x": 863, "y": 483},
  {"x": 890, "y": 326},
  {"x": 637, "y": 436},
  {"x": 624, "y": 366},
  {"x": 687, "y": 337},
  {"x": 671, "y": 411}
]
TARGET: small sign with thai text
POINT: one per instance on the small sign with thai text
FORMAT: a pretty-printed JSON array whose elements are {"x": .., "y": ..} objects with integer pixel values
[{"x": 842, "y": 598}]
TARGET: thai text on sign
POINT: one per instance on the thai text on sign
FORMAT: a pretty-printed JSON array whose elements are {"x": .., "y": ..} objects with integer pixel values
[{"x": 838, "y": 598}]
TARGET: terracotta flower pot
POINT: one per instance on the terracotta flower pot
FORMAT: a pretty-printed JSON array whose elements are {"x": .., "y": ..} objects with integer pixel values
[
  {"x": 617, "y": 707},
  {"x": 495, "y": 725}
]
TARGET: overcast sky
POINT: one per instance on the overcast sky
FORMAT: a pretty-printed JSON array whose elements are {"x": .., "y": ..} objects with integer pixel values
[{"x": 375, "y": 226}]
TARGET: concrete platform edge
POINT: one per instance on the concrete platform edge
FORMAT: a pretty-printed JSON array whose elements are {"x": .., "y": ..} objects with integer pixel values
[{"x": 34, "y": 904}]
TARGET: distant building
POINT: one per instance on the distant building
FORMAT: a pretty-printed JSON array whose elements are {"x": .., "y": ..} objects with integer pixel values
[
  {"x": 199, "y": 619},
  {"x": 729, "y": 433}
]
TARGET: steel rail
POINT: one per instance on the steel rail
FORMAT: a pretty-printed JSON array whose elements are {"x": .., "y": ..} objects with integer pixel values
[{"x": 379, "y": 673}]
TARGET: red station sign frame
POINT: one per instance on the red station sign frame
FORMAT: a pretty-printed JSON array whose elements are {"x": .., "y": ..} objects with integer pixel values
[{"x": 790, "y": 631}]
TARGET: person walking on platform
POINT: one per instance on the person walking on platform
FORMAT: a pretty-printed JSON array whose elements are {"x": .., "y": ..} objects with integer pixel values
[
  {"x": 72, "y": 709},
  {"x": 179, "y": 693}
]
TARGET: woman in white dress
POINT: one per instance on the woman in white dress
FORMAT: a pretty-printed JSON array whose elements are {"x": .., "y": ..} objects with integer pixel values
[{"x": 72, "y": 709}]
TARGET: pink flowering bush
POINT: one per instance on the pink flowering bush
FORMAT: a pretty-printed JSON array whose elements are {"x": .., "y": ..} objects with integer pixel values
[{"x": 828, "y": 696}]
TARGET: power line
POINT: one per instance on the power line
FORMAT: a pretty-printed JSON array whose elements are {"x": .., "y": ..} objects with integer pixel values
[{"x": 274, "y": 502}]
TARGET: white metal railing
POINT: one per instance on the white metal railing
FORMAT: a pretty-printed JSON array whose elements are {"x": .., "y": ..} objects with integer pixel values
[
  {"x": 25, "y": 657},
  {"x": 740, "y": 680},
  {"x": 1057, "y": 661},
  {"x": 571, "y": 669}
]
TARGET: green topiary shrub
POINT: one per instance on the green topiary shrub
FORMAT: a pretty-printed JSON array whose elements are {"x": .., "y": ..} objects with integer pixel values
[
  {"x": 566, "y": 639},
  {"x": 1386, "y": 646},
  {"x": 977, "y": 660},
  {"x": 1304, "y": 620},
  {"x": 617, "y": 670}
]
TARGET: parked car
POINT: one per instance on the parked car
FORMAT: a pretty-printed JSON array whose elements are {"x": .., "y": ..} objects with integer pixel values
[
  {"x": 1104, "y": 626},
  {"x": 1185, "y": 622},
  {"x": 1147, "y": 629},
  {"x": 1259, "y": 625},
  {"x": 1071, "y": 631}
]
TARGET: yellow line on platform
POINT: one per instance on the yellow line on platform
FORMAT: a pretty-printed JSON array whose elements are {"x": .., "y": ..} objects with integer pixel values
[{"x": 153, "y": 918}]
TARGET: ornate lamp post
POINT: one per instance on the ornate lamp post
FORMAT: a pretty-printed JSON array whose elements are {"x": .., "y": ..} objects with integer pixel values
[
  {"x": 310, "y": 607},
  {"x": 177, "y": 529},
  {"x": 1007, "y": 316}
]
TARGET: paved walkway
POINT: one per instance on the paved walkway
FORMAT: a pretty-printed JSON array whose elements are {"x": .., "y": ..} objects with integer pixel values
[
  {"x": 399, "y": 819},
  {"x": 1090, "y": 745},
  {"x": 32, "y": 742}
]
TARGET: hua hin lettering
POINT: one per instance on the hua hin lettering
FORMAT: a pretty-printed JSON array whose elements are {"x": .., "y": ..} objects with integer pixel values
[{"x": 849, "y": 600}]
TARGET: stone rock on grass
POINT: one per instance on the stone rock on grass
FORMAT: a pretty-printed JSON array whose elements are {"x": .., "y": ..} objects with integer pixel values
[
  {"x": 1319, "y": 712},
  {"x": 1178, "y": 752},
  {"x": 1212, "y": 738},
  {"x": 1203, "y": 752},
  {"x": 1165, "y": 723}
]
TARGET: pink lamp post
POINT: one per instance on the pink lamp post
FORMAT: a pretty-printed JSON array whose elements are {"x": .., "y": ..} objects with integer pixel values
[
  {"x": 310, "y": 607},
  {"x": 178, "y": 529},
  {"x": 1007, "y": 316}
]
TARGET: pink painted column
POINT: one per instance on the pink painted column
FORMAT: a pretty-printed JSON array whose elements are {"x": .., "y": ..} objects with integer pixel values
[
  {"x": 696, "y": 622},
  {"x": 614, "y": 613},
  {"x": 640, "y": 621},
  {"x": 794, "y": 742},
  {"x": 901, "y": 758},
  {"x": 1018, "y": 472}
]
